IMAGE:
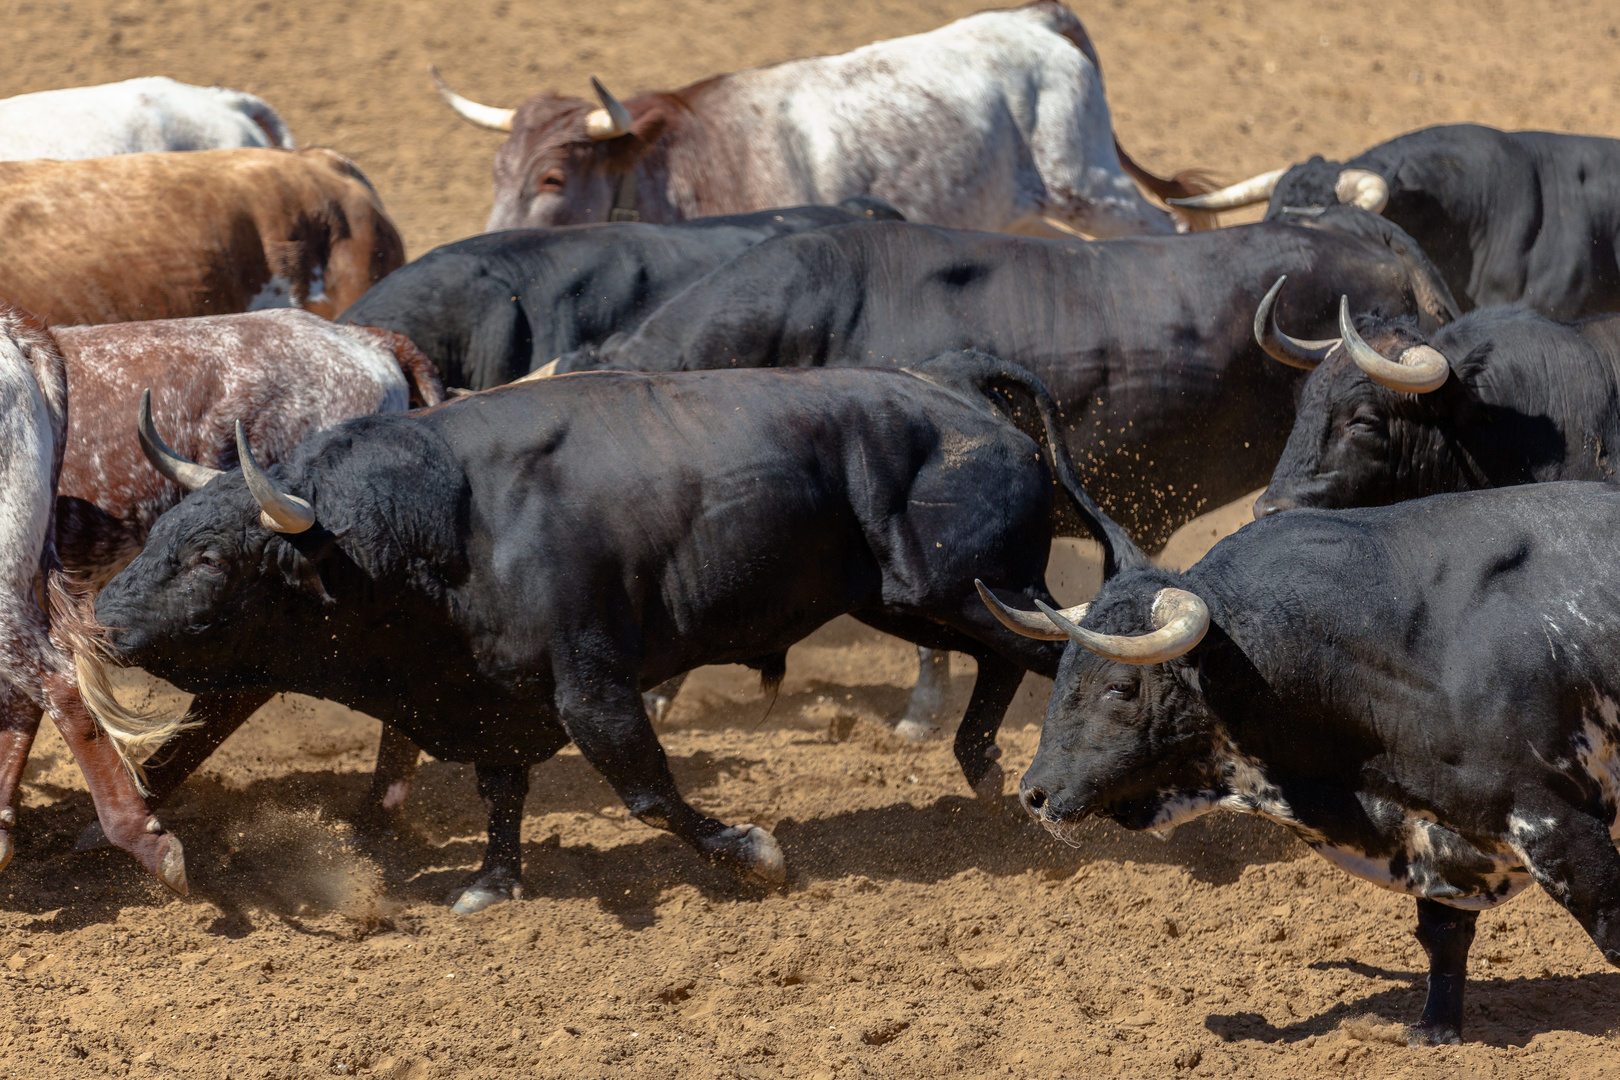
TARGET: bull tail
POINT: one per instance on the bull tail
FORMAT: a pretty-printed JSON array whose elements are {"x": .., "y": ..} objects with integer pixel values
[
  {"x": 136, "y": 733},
  {"x": 1183, "y": 184},
  {"x": 421, "y": 374},
  {"x": 987, "y": 375},
  {"x": 267, "y": 120}
]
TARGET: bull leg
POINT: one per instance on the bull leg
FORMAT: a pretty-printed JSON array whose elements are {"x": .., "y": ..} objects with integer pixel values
[
  {"x": 1571, "y": 855},
  {"x": 397, "y": 758},
  {"x": 217, "y": 716},
  {"x": 19, "y": 721},
  {"x": 501, "y": 877},
  {"x": 124, "y": 815},
  {"x": 1445, "y": 934},
  {"x": 927, "y": 705},
  {"x": 976, "y": 749},
  {"x": 613, "y": 733}
]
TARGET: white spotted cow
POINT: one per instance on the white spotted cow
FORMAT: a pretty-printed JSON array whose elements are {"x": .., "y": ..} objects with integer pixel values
[{"x": 995, "y": 121}]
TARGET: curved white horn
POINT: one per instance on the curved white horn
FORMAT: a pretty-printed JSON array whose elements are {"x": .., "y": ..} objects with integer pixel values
[
  {"x": 1028, "y": 623},
  {"x": 1256, "y": 189},
  {"x": 1295, "y": 352},
  {"x": 1363, "y": 188},
  {"x": 1421, "y": 368},
  {"x": 1180, "y": 621},
  {"x": 611, "y": 120},
  {"x": 485, "y": 116},
  {"x": 279, "y": 511},
  {"x": 188, "y": 474}
]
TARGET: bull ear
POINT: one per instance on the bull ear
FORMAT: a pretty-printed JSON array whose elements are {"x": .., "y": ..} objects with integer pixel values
[{"x": 299, "y": 560}]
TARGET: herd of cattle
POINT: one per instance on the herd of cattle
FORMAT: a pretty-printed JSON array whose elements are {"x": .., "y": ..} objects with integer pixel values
[{"x": 778, "y": 357}]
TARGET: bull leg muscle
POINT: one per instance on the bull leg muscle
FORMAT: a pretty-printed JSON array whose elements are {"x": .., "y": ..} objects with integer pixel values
[
  {"x": 1445, "y": 934},
  {"x": 124, "y": 815},
  {"x": 19, "y": 720},
  {"x": 397, "y": 758},
  {"x": 927, "y": 704},
  {"x": 613, "y": 733},
  {"x": 1572, "y": 856},
  {"x": 976, "y": 749}
]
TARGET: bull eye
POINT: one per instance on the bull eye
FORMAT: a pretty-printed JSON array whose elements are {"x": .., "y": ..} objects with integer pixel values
[
  {"x": 1364, "y": 422},
  {"x": 1124, "y": 690},
  {"x": 206, "y": 562},
  {"x": 550, "y": 182}
]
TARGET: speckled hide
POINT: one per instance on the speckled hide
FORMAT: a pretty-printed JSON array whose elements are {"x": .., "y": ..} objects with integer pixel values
[
  {"x": 992, "y": 121},
  {"x": 282, "y": 373},
  {"x": 164, "y": 236}
]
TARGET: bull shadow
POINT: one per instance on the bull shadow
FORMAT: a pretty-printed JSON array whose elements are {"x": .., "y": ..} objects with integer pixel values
[
  {"x": 284, "y": 845},
  {"x": 1499, "y": 1012}
]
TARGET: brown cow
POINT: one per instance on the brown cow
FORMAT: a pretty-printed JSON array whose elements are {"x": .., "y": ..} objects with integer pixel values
[
  {"x": 284, "y": 374},
  {"x": 160, "y": 236}
]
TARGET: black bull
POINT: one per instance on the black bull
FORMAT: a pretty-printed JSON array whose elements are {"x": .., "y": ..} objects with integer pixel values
[
  {"x": 1527, "y": 217},
  {"x": 1524, "y": 400},
  {"x": 1145, "y": 343},
  {"x": 490, "y": 309},
  {"x": 1427, "y": 694},
  {"x": 504, "y": 574}
]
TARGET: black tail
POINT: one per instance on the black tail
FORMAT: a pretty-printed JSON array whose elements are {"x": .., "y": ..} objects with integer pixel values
[{"x": 985, "y": 376}]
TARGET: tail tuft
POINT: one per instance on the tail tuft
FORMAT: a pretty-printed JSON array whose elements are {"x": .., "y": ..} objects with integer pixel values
[{"x": 136, "y": 734}]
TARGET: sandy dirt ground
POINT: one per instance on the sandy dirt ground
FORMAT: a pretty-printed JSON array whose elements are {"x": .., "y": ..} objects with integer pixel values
[{"x": 919, "y": 936}]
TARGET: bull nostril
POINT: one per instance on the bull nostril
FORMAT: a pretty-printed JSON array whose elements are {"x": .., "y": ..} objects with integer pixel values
[{"x": 1035, "y": 798}]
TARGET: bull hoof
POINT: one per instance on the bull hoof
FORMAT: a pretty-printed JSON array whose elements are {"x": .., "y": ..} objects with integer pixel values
[
  {"x": 756, "y": 852},
  {"x": 916, "y": 731},
  {"x": 92, "y": 838},
  {"x": 990, "y": 787},
  {"x": 494, "y": 887},
  {"x": 6, "y": 850},
  {"x": 172, "y": 870},
  {"x": 1438, "y": 1035},
  {"x": 657, "y": 706}
]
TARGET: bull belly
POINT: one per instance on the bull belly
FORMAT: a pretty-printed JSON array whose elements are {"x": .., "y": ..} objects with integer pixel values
[{"x": 1455, "y": 884}]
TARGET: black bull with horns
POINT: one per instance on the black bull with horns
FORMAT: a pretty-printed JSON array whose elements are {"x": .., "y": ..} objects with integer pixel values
[
  {"x": 1509, "y": 217},
  {"x": 1502, "y": 396},
  {"x": 1427, "y": 694},
  {"x": 504, "y": 574}
]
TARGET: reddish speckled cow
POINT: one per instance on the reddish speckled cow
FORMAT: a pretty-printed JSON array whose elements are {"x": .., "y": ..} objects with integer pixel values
[{"x": 42, "y": 629}]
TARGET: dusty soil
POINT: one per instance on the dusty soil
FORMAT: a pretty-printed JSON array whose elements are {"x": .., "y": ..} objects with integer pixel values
[{"x": 919, "y": 936}]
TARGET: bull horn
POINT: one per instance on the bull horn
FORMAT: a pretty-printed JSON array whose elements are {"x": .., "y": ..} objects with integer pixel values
[
  {"x": 485, "y": 116},
  {"x": 1363, "y": 188},
  {"x": 1256, "y": 189},
  {"x": 611, "y": 120},
  {"x": 1180, "y": 621},
  {"x": 1421, "y": 368},
  {"x": 279, "y": 511},
  {"x": 1295, "y": 352},
  {"x": 1027, "y": 623},
  {"x": 188, "y": 474}
]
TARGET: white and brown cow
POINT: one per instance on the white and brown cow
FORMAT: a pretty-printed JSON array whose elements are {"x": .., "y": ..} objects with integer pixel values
[
  {"x": 135, "y": 116},
  {"x": 995, "y": 121},
  {"x": 47, "y": 645},
  {"x": 162, "y": 236},
  {"x": 283, "y": 374}
]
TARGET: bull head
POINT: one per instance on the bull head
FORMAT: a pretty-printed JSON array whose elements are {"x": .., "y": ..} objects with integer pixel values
[
  {"x": 609, "y": 122},
  {"x": 1180, "y": 621}
]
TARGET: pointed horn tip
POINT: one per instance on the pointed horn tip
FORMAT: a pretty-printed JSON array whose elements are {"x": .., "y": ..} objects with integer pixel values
[
  {"x": 162, "y": 457},
  {"x": 278, "y": 511}
]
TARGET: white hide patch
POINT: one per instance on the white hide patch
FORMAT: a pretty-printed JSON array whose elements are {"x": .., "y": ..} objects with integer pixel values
[
  {"x": 1597, "y": 751},
  {"x": 275, "y": 293},
  {"x": 1429, "y": 851}
]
